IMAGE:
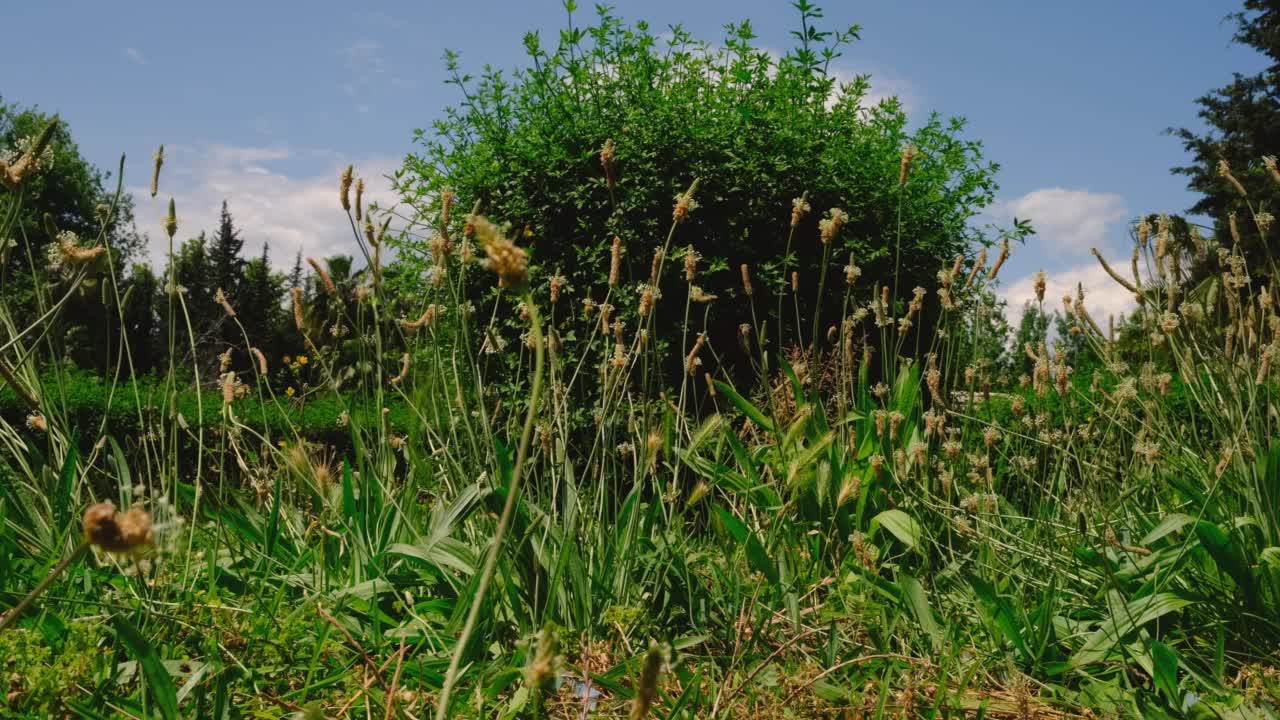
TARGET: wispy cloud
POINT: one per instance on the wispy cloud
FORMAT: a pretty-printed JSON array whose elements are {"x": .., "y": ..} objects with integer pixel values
[
  {"x": 135, "y": 55},
  {"x": 1067, "y": 222},
  {"x": 1102, "y": 295},
  {"x": 271, "y": 204}
]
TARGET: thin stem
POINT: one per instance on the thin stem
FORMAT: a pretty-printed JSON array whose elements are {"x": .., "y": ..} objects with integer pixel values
[{"x": 508, "y": 509}]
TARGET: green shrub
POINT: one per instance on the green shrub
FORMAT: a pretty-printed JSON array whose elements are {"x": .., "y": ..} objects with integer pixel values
[{"x": 754, "y": 128}]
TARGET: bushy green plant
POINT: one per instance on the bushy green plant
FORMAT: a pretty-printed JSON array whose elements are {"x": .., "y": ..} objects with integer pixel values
[{"x": 598, "y": 134}]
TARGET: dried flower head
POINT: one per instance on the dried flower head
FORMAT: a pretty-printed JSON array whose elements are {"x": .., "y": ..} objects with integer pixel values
[
  {"x": 220, "y": 297},
  {"x": 1269, "y": 162},
  {"x": 908, "y": 156},
  {"x": 830, "y": 226},
  {"x": 34, "y": 155},
  {"x": 296, "y": 295},
  {"x": 327, "y": 282},
  {"x": 799, "y": 208},
  {"x": 509, "y": 262},
  {"x": 1224, "y": 170},
  {"x": 691, "y": 258},
  {"x": 607, "y": 154},
  {"x": 1000, "y": 259},
  {"x": 615, "y": 261},
  {"x": 746, "y": 280},
  {"x": 125, "y": 532},
  {"x": 685, "y": 204}
]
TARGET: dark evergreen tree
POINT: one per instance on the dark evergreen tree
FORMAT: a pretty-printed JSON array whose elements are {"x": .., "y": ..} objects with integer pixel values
[
  {"x": 260, "y": 294},
  {"x": 1243, "y": 119},
  {"x": 295, "y": 276},
  {"x": 225, "y": 262}
]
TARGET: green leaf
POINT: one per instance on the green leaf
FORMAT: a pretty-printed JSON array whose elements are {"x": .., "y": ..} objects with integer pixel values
[
  {"x": 1170, "y": 524},
  {"x": 745, "y": 407},
  {"x": 1001, "y": 612},
  {"x": 1227, "y": 555},
  {"x": 757, "y": 558},
  {"x": 901, "y": 525},
  {"x": 1270, "y": 557},
  {"x": 158, "y": 679},
  {"x": 1164, "y": 662},
  {"x": 913, "y": 592},
  {"x": 1123, "y": 621}
]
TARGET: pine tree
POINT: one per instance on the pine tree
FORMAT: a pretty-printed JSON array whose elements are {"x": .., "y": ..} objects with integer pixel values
[
  {"x": 1243, "y": 119},
  {"x": 260, "y": 293},
  {"x": 295, "y": 277},
  {"x": 225, "y": 262}
]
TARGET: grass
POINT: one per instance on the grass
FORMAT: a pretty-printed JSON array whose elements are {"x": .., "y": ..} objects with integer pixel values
[{"x": 876, "y": 528}]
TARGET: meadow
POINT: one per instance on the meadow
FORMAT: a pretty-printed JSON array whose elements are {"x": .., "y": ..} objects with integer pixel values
[{"x": 667, "y": 484}]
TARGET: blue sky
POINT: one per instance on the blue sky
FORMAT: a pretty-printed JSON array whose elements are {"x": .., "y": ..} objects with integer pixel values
[{"x": 262, "y": 103}]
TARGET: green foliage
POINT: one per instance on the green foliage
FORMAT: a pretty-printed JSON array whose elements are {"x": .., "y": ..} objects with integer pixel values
[
  {"x": 754, "y": 129},
  {"x": 1243, "y": 127}
]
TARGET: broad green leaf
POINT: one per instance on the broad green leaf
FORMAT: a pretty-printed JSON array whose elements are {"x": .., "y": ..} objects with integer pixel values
[
  {"x": 1227, "y": 555},
  {"x": 913, "y": 592},
  {"x": 1001, "y": 612},
  {"x": 158, "y": 679},
  {"x": 901, "y": 525},
  {"x": 1170, "y": 524},
  {"x": 1164, "y": 663},
  {"x": 1123, "y": 621},
  {"x": 745, "y": 407},
  {"x": 757, "y": 558}
]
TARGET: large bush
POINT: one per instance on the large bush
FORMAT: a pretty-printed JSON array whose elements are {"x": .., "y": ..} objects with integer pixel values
[{"x": 755, "y": 128}]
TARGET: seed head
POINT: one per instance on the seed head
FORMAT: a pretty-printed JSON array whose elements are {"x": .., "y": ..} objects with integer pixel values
[
  {"x": 647, "y": 688},
  {"x": 220, "y": 297},
  {"x": 125, "y": 532},
  {"x": 799, "y": 208},
  {"x": 296, "y": 295},
  {"x": 746, "y": 280},
  {"x": 1004, "y": 255},
  {"x": 509, "y": 262},
  {"x": 830, "y": 226},
  {"x": 685, "y": 203},
  {"x": 908, "y": 155},
  {"x": 615, "y": 261},
  {"x": 325, "y": 280},
  {"x": 852, "y": 272},
  {"x": 557, "y": 285},
  {"x": 691, "y": 258},
  {"x": 155, "y": 171},
  {"x": 606, "y": 161},
  {"x": 344, "y": 188},
  {"x": 1264, "y": 220},
  {"x": 359, "y": 199},
  {"x": 171, "y": 221},
  {"x": 1224, "y": 170},
  {"x": 1269, "y": 162},
  {"x": 1040, "y": 282},
  {"x": 262, "y": 360},
  {"x": 30, "y": 160}
]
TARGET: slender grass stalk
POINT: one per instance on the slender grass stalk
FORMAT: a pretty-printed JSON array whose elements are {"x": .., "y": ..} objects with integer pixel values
[{"x": 508, "y": 508}]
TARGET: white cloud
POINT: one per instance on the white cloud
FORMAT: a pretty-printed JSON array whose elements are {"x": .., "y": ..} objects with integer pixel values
[
  {"x": 135, "y": 55},
  {"x": 288, "y": 210},
  {"x": 1103, "y": 296},
  {"x": 1067, "y": 222}
]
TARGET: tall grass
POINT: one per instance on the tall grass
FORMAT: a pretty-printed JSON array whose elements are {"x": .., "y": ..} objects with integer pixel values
[{"x": 877, "y": 527}]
